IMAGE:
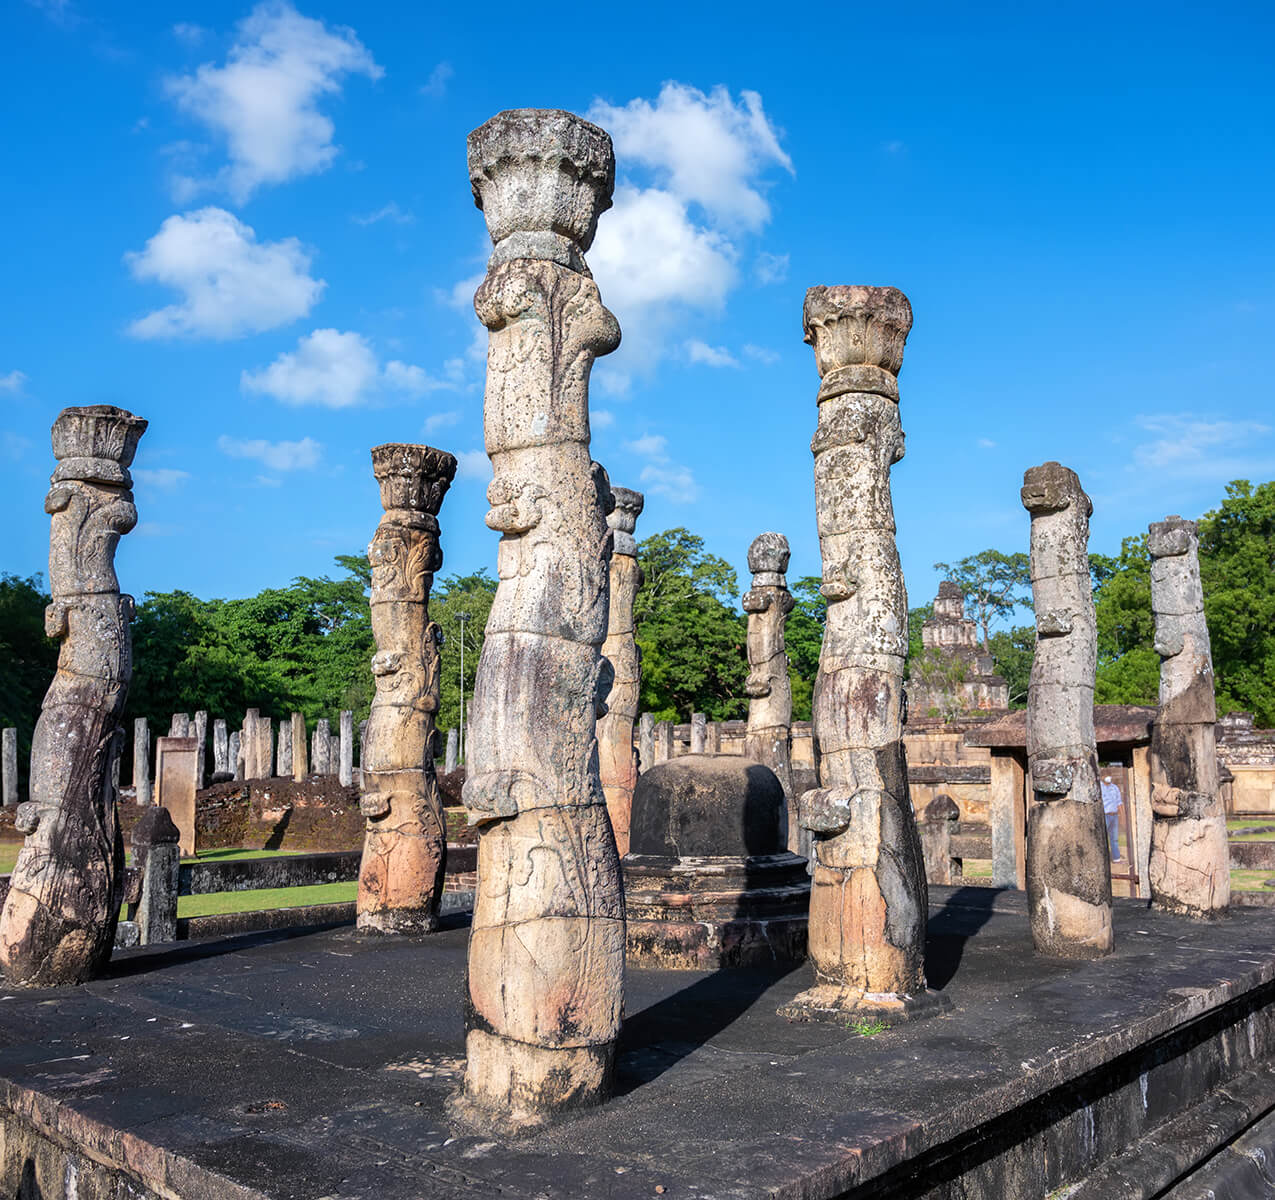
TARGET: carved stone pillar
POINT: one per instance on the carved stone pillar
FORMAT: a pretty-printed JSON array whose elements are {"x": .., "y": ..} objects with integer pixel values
[
  {"x": 617, "y": 756},
  {"x": 58, "y": 923},
  {"x": 546, "y": 951},
  {"x": 868, "y": 906},
  {"x": 1068, "y": 874},
  {"x": 768, "y": 603},
  {"x": 405, "y": 847},
  {"x": 1190, "y": 861}
]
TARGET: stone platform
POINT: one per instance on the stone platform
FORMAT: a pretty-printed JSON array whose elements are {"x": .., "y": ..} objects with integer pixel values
[{"x": 309, "y": 1066}]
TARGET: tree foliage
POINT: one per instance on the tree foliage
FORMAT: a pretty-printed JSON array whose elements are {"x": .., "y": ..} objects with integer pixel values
[
  {"x": 27, "y": 659},
  {"x": 994, "y": 585},
  {"x": 452, "y": 597},
  {"x": 1012, "y": 652}
]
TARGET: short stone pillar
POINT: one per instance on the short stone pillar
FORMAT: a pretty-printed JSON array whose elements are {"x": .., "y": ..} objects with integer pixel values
[
  {"x": 300, "y": 764},
  {"x": 663, "y": 742},
  {"x": 699, "y": 733},
  {"x": 236, "y": 754},
  {"x": 157, "y": 855},
  {"x": 869, "y": 906},
  {"x": 768, "y": 603},
  {"x": 321, "y": 758},
  {"x": 708, "y": 880},
  {"x": 223, "y": 769},
  {"x": 283, "y": 755},
  {"x": 59, "y": 918},
  {"x": 9, "y": 766},
  {"x": 141, "y": 762},
  {"x": 617, "y": 759},
  {"x": 175, "y": 772},
  {"x": 646, "y": 742},
  {"x": 1068, "y": 872},
  {"x": 937, "y": 825},
  {"x": 405, "y": 846},
  {"x": 449, "y": 760},
  {"x": 1190, "y": 860},
  {"x": 179, "y": 726},
  {"x": 345, "y": 749},
  {"x": 546, "y": 952},
  {"x": 713, "y": 740},
  {"x": 199, "y": 731}
]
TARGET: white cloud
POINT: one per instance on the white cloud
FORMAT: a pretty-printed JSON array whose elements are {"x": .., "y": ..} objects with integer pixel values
[
  {"x": 706, "y": 149},
  {"x": 231, "y": 284},
  {"x": 441, "y": 420},
  {"x": 661, "y": 475},
  {"x": 163, "y": 478},
  {"x": 772, "y": 268},
  {"x": 190, "y": 34},
  {"x": 601, "y": 418},
  {"x": 336, "y": 370},
  {"x": 438, "y": 79},
  {"x": 985, "y": 443},
  {"x": 652, "y": 445},
  {"x": 388, "y": 212},
  {"x": 268, "y": 481},
  {"x": 761, "y": 354},
  {"x": 710, "y": 356},
  {"x": 1190, "y": 446},
  {"x": 14, "y": 381},
  {"x": 473, "y": 464},
  {"x": 264, "y": 102},
  {"x": 278, "y": 456}
]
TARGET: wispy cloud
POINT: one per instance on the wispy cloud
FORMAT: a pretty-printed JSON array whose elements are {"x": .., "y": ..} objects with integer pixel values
[
  {"x": 438, "y": 80},
  {"x": 710, "y": 356},
  {"x": 189, "y": 34},
  {"x": 985, "y": 443},
  {"x": 441, "y": 420},
  {"x": 278, "y": 456},
  {"x": 761, "y": 354},
  {"x": 14, "y": 382},
  {"x": 14, "y": 446},
  {"x": 473, "y": 464},
  {"x": 601, "y": 418},
  {"x": 387, "y": 212},
  {"x": 771, "y": 268},
  {"x": 162, "y": 478},
  {"x": 661, "y": 475},
  {"x": 1201, "y": 446}
]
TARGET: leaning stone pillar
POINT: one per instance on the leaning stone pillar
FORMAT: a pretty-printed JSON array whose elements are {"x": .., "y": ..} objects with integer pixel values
[
  {"x": 546, "y": 951},
  {"x": 58, "y": 922},
  {"x": 1190, "y": 861},
  {"x": 768, "y": 603},
  {"x": 868, "y": 905},
  {"x": 401, "y": 878},
  {"x": 1068, "y": 873},
  {"x": 617, "y": 758}
]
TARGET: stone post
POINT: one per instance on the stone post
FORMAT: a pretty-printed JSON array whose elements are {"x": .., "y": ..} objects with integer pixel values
[
  {"x": 617, "y": 760},
  {"x": 546, "y": 951},
  {"x": 646, "y": 742},
  {"x": 236, "y": 754},
  {"x": 265, "y": 747},
  {"x": 362, "y": 747},
  {"x": 1068, "y": 873},
  {"x": 345, "y": 749},
  {"x": 199, "y": 730},
  {"x": 283, "y": 754},
  {"x": 936, "y": 825},
  {"x": 59, "y": 918},
  {"x": 141, "y": 761},
  {"x": 663, "y": 741},
  {"x": 157, "y": 855},
  {"x": 768, "y": 603},
  {"x": 699, "y": 733},
  {"x": 869, "y": 902},
  {"x": 405, "y": 847},
  {"x": 453, "y": 741},
  {"x": 9, "y": 766},
  {"x": 248, "y": 744},
  {"x": 713, "y": 742},
  {"x": 179, "y": 726},
  {"x": 321, "y": 759},
  {"x": 175, "y": 785},
  {"x": 222, "y": 768},
  {"x": 1190, "y": 860},
  {"x": 300, "y": 767}
]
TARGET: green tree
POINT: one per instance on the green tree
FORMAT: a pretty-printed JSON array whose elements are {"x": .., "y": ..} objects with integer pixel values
[
  {"x": 27, "y": 660},
  {"x": 994, "y": 584},
  {"x": 803, "y": 639},
  {"x": 1012, "y": 652},
  {"x": 457, "y": 594},
  {"x": 692, "y": 639},
  {"x": 1128, "y": 666}
]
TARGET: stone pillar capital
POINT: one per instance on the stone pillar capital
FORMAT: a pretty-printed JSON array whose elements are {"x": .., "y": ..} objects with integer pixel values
[
  {"x": 1171, "y": 537},
  {"x": 96, "y": 444},
  {"x": 1051, "y": 488},
  {"x": 768, "y": 555},
  {"x": 858, "y": 334},
  {"x": 412, "y": 477},
  {"x": 542, "y": 177},
  {"x": 622, "y": 519}
]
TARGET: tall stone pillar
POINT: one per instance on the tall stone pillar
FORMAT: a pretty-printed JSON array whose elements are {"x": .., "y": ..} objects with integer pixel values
[
  {"x": 768, "y": 603},
  {"x": 449, "y": 759},
  {"x": 300, "y": 765},
  {"x": 868, "y": 903},
  {"x": 222, "y": 767},
  {"x": 236, "y": 754},
  {"x": 646, "y": 742},
  {"x": 404, "y": 849},
  {"x": 9, "y": 766},
  {"x": 1068, "y": 873},
  {"x": 199, "y": 731},
  {"x": 663, "y": 741},
  {"x": 141, "y": 761},
  {"x": 248, "y": 743},
  {"x": 321, "y": 757},
  {"x": 546, "y": 951},
  {"x": 617, "y": 759},
  {"x": 58, "y": 922},
  {"x": 699, "y": 733},
  {"x": 265, "y": 747},
  {"x": 345, "y": 749},
  {"x": 283, "y": 755},
  {"x": 1190, "y": 861}
]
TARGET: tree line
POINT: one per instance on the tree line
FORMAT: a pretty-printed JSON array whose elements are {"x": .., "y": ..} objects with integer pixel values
[{"x": 307, "y": 647}]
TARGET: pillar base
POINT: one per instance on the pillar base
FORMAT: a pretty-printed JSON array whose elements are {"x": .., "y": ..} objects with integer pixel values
[
  {"x": 397, "y": 921},
  {"x": 833, "y": 1004}
]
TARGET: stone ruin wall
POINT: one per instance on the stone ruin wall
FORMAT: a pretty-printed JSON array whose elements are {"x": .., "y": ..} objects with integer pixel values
[{"x": 1248, "y": 754}]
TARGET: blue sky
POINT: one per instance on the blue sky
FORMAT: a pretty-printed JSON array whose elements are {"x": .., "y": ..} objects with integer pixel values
[{"x": 253, "y": 226}]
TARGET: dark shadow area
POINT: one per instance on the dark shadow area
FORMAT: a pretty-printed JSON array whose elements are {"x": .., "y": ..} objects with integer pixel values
[
  {"x": 661, "y": 1035},
  {"x": 963, "y": 914},
  {"x": 28, "y": 1187},
  {"x": 275, "y": 840}
]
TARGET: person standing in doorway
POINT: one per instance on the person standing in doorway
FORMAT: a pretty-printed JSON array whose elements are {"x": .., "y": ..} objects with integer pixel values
[{"x": 1111, "y": 801}]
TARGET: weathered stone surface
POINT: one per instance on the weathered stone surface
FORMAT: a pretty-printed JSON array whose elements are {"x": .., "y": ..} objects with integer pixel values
[
  {"x": 1068, "y": 873},
  {"x": 175, "y": 773},
  {"x": 936, "y": 826},
  {"x": 1189, "y": 866},
  {"x": 58, "y": 922},
  {"x": 223, "y": 769},
  {"x": 663, "y": 741},
  {"x": 345, "y": 749},
  {"x": 546, "y": 954},
  {"x": 768, "y": 603},
  {"x": 699, "y": 733},
  {"x": 236, "y": 753},
  {"x": 646, "y": 742},
  {"x": 157, "y": 857},
  {"x": 141, "y": 762},
  {"x": 404, "y": 851},
  {"x": 248, "y": 744},
  {"x": 283, "y": 755},
  {"x": 199, "y": 730},
  {"x": 617, "y": 759},
  {"x": 179, "y": 726},
  {"x": 9, "y": 766},
  {"x": 449, "y": 759},
  {"x": 321, "y": 756},
  {"x": 300, "y": 763},
  {"x": 867, "y": 909}
]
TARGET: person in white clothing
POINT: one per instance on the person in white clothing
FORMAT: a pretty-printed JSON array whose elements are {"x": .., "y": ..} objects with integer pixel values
[{"x": 1111, "y": 801}]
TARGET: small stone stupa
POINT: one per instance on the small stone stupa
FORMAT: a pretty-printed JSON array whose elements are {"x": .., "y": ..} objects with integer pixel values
[
  {"x": 708, "y": 879},
  {"x": 967, "y": 678}
]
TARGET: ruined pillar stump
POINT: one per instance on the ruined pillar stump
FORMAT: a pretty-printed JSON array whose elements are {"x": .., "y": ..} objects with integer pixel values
[
  {"x": 59, "y": 918},
  {"x": 617, "y": 757},
  {"x": 546, "y": 951},
  {"x": 405, "y": 847},
  {"x": 868, "y": 908},
  {"x": 1190, "y": 861},
  {"x": 1068, "y": 872}
]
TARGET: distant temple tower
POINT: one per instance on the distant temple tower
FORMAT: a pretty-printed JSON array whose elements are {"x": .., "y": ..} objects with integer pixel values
[{"x": 962, "y": 673}]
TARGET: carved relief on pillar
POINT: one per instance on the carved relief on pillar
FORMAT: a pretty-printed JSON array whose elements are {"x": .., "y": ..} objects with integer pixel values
[
  {"x": 546, "y": 953},
  {"x": 58, "y": 922},
  {"x": 1068, "y": 873},
  {"x": 405, "y": 847}
]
